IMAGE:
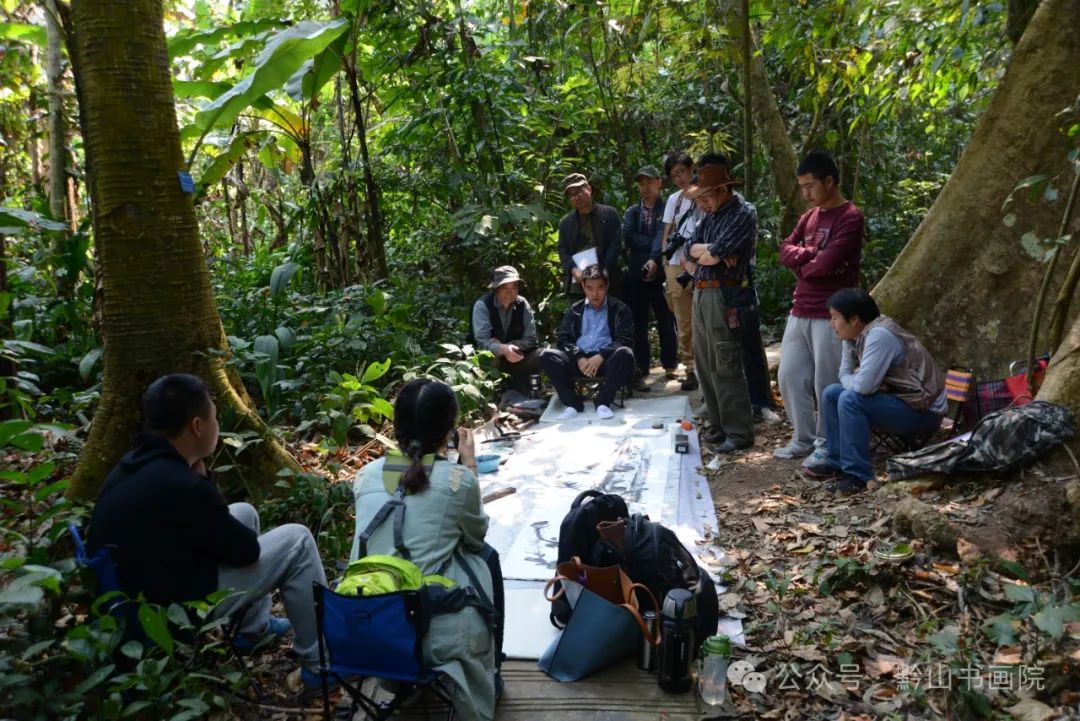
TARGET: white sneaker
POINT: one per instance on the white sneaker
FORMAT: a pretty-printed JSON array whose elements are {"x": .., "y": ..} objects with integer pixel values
[
  {"x": 603, "y": 413},
  {"x": 567, "y": 414},
  {"x": 770, "y": 416},
  {"x": 793, "y": 450},
  {"x": 820, "y": 457}
]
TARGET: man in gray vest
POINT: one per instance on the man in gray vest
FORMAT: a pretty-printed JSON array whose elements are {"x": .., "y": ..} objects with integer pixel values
[
  {"x": 888, "y": 381},
  {"x": 502, "y": 322}
]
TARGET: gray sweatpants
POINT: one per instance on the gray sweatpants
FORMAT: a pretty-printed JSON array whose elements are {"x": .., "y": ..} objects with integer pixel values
[
  {"x": 289, "y": 561},
  {"x": 809, "y": 362}
]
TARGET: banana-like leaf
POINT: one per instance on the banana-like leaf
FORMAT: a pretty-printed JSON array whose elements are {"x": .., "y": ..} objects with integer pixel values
[
  {"x": 317, "y": 72},
  {"x": 223, "y": 162},
  {"x": 24, "y": 32},
  {"x": 264, "y": 107},
  {"x": 14, "y": 220},
  {"x": 186, "y": 40},
  {"x": 283, "y": 55}
]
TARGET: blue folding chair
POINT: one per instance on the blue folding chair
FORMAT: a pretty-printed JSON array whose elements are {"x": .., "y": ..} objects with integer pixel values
[
  {"x": 106, "y": 581},
  {"x": 376, "y": 637},
  {"x": 119, "y": 606}
]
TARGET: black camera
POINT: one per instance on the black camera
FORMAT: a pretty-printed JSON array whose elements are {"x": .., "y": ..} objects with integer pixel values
[
  {"x": 455, "y": 438},
  {"x": 674, "y": 244},
  {"x": 684, "y": 279}
]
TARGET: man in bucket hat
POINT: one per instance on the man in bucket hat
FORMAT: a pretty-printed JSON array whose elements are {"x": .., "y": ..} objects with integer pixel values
[
  {"x": 720, "y": 255},
  {"x": 502, "y": 322},
  {"x": 589, "y": 225}
]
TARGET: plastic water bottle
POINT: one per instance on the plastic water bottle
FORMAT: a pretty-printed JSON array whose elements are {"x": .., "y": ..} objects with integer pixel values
[{"x": 712, "y": 677}]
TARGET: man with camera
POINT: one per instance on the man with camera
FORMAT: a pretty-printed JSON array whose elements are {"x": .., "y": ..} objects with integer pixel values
[
  {"x": 680, "y": 219},
  {"x": 643, "y": 289},
  {"x": 720, "y": 254}
]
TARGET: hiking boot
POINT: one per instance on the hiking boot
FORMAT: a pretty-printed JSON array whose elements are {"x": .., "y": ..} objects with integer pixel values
[
  {"x": 714, "y": 437},
  {"x": 793, "y": 450},
  {"x": 847, "y": 486},
  {"x": 690, "y": 383},
  {"x": 641, "y": 386},
  {"x": 670, "y": 374},
  {"x": 821, "y": 471},
  {"x": 275, "y": 630},
  {"x": 730, "y": 447}
]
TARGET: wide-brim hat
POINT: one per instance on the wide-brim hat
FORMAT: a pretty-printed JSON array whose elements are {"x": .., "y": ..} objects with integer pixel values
[
  {"x": 709, "y": 178},
  {"x": 504, "y": 274}
]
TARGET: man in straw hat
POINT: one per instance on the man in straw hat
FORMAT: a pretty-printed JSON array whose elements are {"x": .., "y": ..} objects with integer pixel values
[
  {"x": 502, "y": 322},
  {"x": 723, "y": 244}
]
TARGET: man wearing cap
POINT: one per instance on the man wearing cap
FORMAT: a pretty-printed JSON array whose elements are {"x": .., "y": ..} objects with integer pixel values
[
  {"x": 589, "y": 225},
  {"x": 720, "y": 254},
  {"x": 502, "y": 322},
  {"x": 643, "y": 287},
  {"x": 680, "y": 219}
]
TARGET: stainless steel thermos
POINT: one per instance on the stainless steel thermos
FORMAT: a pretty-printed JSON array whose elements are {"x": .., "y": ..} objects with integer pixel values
[
  {"x": 677, "y": 644},
  {"x": 646, "y": 659}
]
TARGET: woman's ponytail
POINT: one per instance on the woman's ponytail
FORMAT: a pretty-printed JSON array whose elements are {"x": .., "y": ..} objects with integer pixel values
[
  {"x": 415, "y": 478},
  {"x": 424, "y": 413}
]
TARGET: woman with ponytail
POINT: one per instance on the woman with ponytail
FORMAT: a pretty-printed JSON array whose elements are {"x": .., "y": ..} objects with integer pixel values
[{"x": 442, "y": 532}]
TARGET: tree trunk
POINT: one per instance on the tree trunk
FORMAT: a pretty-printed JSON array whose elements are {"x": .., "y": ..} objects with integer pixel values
[
  {"x": 964, "y": 283},
  {"x": 773, "y": 130},
  {"x": 748, "y": 52},
  {"x": 375, "y": 259},
  {"x": 54, "y": 75},
  {"x": 158, "y": 309}
]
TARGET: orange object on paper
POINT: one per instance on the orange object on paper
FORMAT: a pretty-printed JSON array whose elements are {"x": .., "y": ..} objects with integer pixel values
[{"x": 687, "y": 425}]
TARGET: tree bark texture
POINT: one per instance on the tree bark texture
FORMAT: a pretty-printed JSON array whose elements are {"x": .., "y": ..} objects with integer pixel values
[
  {"x": 54, "y": 75},
  {"x": 963, "y": 283},
  {"x": 773, "y": 131},
  {"x": 158, "y": 310}
]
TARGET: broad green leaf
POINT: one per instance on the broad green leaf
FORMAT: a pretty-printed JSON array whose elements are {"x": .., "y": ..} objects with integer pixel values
[
  {"x": 86, "y": 365},
  {"x": 281, "y": 276},
  {"x": 132, "y": 649},
  {"x": 184, "y": 41},
  {"x": 95, "y": 678},
  {"x": 21, "y": 596},
  {"x": 285, "y": 337},
  {"x": 24, "y": 32},
  {"x": 375, "y": 371},
  {"x": 1018, "y": 593},
  {"x": 283, "y": 55},
  {"x": 221, "y": 165},
  {"x": 1052, "y": 619},
  {"x": 16, "y": 219},
  {"x": 306, "y": 83},
  {"x": 153, "y": 623}
]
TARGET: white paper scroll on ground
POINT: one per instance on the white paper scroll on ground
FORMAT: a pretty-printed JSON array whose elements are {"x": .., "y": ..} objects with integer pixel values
[{"x": 554, "y": 462}]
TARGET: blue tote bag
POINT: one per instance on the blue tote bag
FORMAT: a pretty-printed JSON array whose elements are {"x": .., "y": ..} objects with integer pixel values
[{"x": 599, "y": 633}]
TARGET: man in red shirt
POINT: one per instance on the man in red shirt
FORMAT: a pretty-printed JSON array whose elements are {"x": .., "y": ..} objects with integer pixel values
[{"x": 824, "y": 252}]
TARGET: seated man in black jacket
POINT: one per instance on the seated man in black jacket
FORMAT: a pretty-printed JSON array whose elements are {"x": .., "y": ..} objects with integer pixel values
[
  {"x": 173, "y": 538},
  {"x": 594, "y": 340}
]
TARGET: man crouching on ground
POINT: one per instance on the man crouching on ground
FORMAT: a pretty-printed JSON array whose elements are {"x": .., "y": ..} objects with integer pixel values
[{"x": 595, "y": 339}]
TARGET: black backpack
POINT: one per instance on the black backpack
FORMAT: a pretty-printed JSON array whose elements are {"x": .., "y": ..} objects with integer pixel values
[
  {"x": 578, "y": 537},
  {"x": 652, "y": 555}
]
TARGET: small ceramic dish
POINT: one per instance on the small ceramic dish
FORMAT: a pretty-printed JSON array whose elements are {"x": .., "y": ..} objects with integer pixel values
[{"x": 487, "y": 463}]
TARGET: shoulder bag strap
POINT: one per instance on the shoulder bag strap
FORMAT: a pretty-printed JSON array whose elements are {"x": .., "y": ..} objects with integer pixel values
[{"x": 395, "y": 505}]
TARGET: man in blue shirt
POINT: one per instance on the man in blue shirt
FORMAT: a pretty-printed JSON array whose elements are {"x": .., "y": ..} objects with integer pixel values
[{"x": 595, "y": 339}]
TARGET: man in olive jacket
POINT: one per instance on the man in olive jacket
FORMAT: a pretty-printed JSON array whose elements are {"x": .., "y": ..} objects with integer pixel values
[
  {"x": 589, "y": 225},
  {"x": 594, "y": 340}
]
